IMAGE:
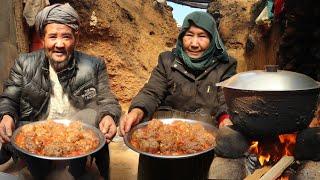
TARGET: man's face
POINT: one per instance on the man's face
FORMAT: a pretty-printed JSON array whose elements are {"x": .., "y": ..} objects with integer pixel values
[
  {"x": 195, "y": 42},
  {"x": 59, "y": 41}
]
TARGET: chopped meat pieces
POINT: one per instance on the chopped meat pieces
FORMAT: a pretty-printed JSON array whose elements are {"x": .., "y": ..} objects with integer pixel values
[
  {"x": 54, "y": 139},
  {"x": 177, "y": 138}
]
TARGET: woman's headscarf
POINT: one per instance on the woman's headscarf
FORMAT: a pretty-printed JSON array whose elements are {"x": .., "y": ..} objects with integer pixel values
[
  {"x": 216, "y": 50},
  {"x": 57, "y": 13}
]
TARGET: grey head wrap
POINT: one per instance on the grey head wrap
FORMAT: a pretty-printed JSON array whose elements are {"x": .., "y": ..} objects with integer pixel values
[{"x": 57, "y": 13}]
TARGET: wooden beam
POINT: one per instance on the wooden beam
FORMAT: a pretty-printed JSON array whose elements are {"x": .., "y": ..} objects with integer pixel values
[
  {"x": 278, "y": 168},
  {"x": 197, "y": 5},
  {"x": 191, "y": 4}
]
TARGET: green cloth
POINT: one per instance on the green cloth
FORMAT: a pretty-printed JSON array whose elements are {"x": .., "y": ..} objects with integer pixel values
[{"x": 216, "y": 50}]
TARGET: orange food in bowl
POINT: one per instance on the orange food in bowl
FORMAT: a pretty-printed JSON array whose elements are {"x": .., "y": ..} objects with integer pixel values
[
  {"x": 177, "y": 138},
  {"x": 54, "y": 139}
]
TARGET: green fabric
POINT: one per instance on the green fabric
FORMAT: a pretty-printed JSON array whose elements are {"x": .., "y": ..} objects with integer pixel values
[
  {"x": 269, "y": 8},
  {"x": 216, "y": 50}
]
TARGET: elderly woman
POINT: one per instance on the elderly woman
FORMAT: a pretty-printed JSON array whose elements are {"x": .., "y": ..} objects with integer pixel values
[{"x": 184, "y": 82}]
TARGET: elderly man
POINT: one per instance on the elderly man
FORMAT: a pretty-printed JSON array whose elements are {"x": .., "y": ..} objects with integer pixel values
[{"x": 56, "y": 82}]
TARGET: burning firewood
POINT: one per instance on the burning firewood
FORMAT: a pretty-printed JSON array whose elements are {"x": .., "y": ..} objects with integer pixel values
[
  {"x": 267, "y": 173},
  {"x": 258, "y": 173},
  {"x": 278, "y": 168}
]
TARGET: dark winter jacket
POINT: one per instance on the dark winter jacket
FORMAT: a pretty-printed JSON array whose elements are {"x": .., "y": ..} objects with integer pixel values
[
  {"x": 26, "y": 93},
  {"x": 172, "y": 84}
]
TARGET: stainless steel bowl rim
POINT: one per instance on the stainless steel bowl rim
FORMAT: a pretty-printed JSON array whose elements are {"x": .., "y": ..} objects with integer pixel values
[
  {"x": 260, "y": 80},
  {"x": 66, "y": 122},
  {"x": 207, "y": 126}
]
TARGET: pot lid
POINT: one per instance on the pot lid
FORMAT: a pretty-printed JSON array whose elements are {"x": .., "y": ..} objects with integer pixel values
[{"x": 270, "y": 80}]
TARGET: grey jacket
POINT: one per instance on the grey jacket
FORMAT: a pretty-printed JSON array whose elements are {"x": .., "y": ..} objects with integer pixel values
[
  {"x": 172, "y": 85},
  {"x": 27, "y": 91}
]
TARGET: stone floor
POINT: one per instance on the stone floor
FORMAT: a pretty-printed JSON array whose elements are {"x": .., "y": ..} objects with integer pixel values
[{"x": 123, "y": 166}]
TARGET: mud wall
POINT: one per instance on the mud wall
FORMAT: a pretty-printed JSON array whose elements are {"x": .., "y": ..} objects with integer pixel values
[
  {"x": 128, "y": 35},
  {"x": 244, "y": 40},
  {"x": 8, "y": 48}
]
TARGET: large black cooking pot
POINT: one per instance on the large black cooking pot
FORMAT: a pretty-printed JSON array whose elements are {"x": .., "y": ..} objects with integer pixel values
[{"x": 270, "y": 102}]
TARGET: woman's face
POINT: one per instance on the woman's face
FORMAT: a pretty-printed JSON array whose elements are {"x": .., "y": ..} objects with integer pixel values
[{"x": 195, "y": 41}]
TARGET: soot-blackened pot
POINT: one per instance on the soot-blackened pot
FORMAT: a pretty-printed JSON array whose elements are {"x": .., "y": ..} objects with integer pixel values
[{"x": 270, "y": 102}]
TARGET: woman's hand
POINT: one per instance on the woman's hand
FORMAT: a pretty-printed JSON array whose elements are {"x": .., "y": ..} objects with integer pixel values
[
  {"x": 129, "y": 120},
  {"x": 108, "y": 127}
]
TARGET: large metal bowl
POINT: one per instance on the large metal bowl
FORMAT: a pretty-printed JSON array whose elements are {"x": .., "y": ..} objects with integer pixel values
[
  {"x": 127, "y": 138},
  {"x": 66, "y": 122}
]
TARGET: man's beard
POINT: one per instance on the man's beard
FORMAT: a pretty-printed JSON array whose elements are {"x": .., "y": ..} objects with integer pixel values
[{"x": 59, "y": 66}]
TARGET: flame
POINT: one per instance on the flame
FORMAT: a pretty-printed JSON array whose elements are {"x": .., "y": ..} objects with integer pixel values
[
  {"x": 263, "y": 156},
  {"x": 289, "y": 140},
  {"x": 254, "y": 147},
  {"x": 270, "y": 151},
  {"x": 263, "y": 159},
  {"x": 283, "y": 178}
]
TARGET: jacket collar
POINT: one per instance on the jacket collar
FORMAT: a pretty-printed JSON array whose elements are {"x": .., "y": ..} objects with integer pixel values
[{"x": 179, "y": 66}]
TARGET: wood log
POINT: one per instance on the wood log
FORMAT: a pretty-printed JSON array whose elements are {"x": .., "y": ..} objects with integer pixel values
[
  {"x": 278, "y": 168},
  {"x": 257, "y": 174}
]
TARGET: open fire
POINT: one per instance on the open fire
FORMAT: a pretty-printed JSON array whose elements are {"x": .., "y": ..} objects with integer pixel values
[{"x": 270, "y": 150}]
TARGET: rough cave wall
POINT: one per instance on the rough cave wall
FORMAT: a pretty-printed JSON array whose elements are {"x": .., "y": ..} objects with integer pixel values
[
  {"x": 293, "y": 42},
  {"x": 129, "y": 35},
  {"x": 241, "y": 36},
  {"x": 12, "y": 39}
]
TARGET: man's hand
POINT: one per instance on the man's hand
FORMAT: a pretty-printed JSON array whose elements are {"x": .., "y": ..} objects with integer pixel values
[
  {"x": 108, "y": 127},
  {"x": 225, "y": 122},
  {"x": 6, "y": 128},
  {"x": 129, "y": 120}
]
